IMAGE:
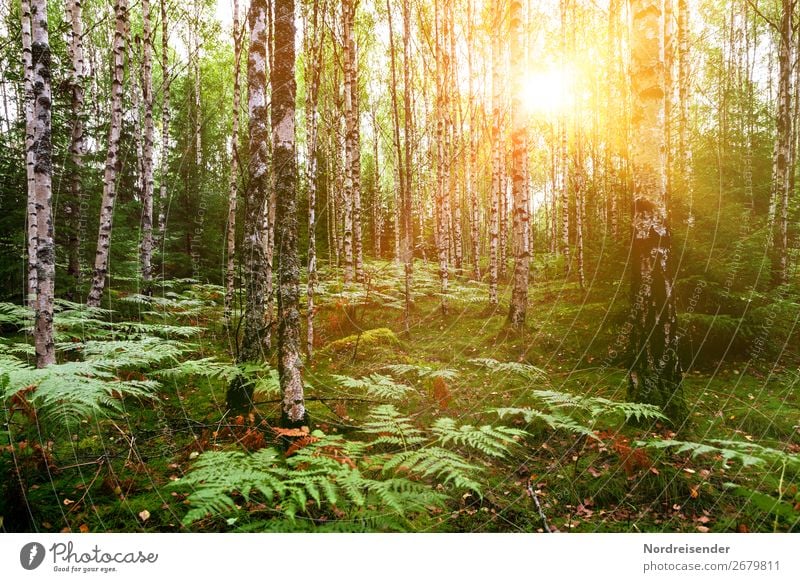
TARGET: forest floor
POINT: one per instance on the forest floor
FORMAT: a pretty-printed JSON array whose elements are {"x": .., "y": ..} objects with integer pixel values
[{"x": 118, "y": 474}]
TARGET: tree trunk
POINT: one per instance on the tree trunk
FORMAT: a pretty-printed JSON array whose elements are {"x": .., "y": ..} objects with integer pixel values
[
  {"x": 564, "y": 153},
  {"x": 43, "y": 169},
  {"x": 442, "y": 154},
  {"x": 165, "y": 76},
  {"x": 256, "y": 336},
  {"x": 147, "y": 161},
  {"x": 655, "y": 373},
  {"x": 30, "y": 155},
  {"x": 233, "y": 192},
  {"x": 685, "y": 169},
  {"x": 521, "y": 219},
  {"x": 377, "y": 202},
  {"x": 348, "y": 59},
  {"x": 494, "y": 214},
  {"x": 314, "y": 38},
  {"x": 472, "y": 155},
  {"x": 293, "y": 410},
  {"x": 113, "y": 163},
  {"x": 782, "y": 152},
  {"x": 75, "y": 202}
]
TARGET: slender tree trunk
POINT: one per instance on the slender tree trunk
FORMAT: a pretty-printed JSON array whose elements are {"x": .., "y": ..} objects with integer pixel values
[
  {"x": 233, "y": 192},
  {"x": 43, "y": 169},
  {"x": 494, "y": 214},
  {"x": 354, "y": 134},
  {"x": 314, "y": 54},
  {"x": 564, "y": 152},
  {"x": 113, "y": 163},
  {"x": 472, "y": 155},
  {"x": 293, "y": 411},
  {"x": 406, "y": 212},
  {"x": 522, "y": 244},
  {"x": 348, "y": 12},
  {"x": 147, "y": 161},
  {"x": 165, "y": 113},
  {"x": 256, "y": 336},
  {"x": 75, "y": 202},
  {"x": 399, "y": 175},
  {"x": 442, "y": 155},
  {"x": 685, "y": 169},
  {"x": 198, "y": 112},
  {"x": 377, "y": 203},
  {"x": 655, "y": 373},
  {"x": 30, "y": 155},
  {"x": 783, "y": 138}
]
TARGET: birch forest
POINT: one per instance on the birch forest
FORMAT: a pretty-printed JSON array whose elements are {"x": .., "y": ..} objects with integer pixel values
[{"x": 399, "y": 265}]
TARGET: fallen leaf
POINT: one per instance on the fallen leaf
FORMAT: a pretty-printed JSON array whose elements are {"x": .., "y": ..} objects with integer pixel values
[
  {"x": 84, "y": 528},
  {"x": 702, "y": 529},
  {"x": 694, "y": 493},
  {"x": 703, "y": 519},
  {"x": 144, "y": 515}
]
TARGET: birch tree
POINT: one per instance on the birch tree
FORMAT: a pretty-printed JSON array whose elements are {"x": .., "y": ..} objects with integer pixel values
[
  {"x": 256, "y": 335},
  {"x": 233, "y": 190},
  {"x": 30, "y": 156},
  {"x": 655, "y": 373},
  {"x": 293, "y": 410},
  {"x": 314, "y": 52},
  {"x": 43, "y": 170},
  {"x": 521, "y": 220},
  {"x": 148, "y": 183},
  {"x": 112, "y": 164},
  {"x": 74, "y": 206}
]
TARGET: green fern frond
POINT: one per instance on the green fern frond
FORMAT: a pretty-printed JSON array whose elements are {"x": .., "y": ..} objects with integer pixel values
[
  {"x": 15, "y": 315},
  {"x": 441, "y": 464},
  {"x": 205, "y": 368},
  {"x": 422, "y": 371},
  {"x": 148, "y": 351},
  {"x": 489, "y": 440},
  {"x": 554, "y": 420},
  {"x": 727, "y": 453},
  {"x": 377, "y": 386},
  {"x": 526, "y": 371},
  {"x": 598, "y": 406},
  {"x": 391, "y": 427},
  {"x": 64, "y": 394}
]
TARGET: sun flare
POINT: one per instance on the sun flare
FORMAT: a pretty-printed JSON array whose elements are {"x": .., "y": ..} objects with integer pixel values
[{"x": 544, "y": 92}]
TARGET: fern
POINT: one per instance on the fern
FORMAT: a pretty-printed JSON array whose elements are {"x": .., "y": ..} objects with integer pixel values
[
  {"x": 555, "y": 420},
  {"x": 422, "y": 371},
  {"x": 489, "y": 440},
  {"x": 391, "y": 427},
  {"x": 15, "y": 315},
  {"x": 436, "y": 462},
  {"x": 314, "y": 478},
  {"x": 64, "y": 394},
  {"x": 746, "y": 453},
  {"x": 526, "y": 371},
  {"x": 377, "y": 386},
  {"x": 145, "y": 352},
  {"x": 597, "y": 406}
]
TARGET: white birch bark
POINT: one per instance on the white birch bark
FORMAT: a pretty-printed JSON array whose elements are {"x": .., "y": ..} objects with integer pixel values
[{"x": 112, "y": 163}]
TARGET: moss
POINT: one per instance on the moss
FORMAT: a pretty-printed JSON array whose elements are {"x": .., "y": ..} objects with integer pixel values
[{"x": 369, "y": 341}]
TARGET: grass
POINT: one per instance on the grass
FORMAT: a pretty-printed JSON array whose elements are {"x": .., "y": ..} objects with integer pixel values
[{"x": 115, "y": 476}]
